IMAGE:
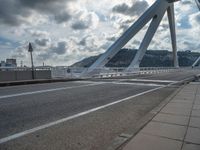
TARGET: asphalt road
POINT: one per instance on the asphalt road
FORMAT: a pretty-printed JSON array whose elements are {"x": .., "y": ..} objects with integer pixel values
[{"x": 35, "y": 107}]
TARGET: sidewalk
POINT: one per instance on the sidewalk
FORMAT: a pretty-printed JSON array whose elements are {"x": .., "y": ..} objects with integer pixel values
[{"x": 175, "y": 127}]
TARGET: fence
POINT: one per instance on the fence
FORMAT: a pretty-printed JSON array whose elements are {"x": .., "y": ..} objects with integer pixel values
[
  {"x": 71, "y": 72},
  {"x": 16, "y": 74}
]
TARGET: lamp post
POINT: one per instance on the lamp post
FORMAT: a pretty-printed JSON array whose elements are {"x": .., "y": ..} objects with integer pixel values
[{"x": 30, "y": 49}]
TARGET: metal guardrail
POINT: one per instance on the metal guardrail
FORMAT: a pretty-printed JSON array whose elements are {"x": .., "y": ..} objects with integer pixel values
[
  {"x": 61, "y": 72},
  {"x": 72, "y": 72},
  {"x": 114, "y": 72}
]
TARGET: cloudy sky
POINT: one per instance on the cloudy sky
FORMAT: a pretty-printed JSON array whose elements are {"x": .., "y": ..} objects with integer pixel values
[{"x": 65, "y": 31}]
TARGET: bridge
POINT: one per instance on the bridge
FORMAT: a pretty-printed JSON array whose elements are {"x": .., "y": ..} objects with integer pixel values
[{"x": 106, "y": 107}]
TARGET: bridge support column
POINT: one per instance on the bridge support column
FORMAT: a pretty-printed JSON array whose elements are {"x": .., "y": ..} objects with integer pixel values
[
  {"x": 154, "y": 13},
  {"x": 147, "y": 39},
  {"x": 150, "y": 33},
  {"x": 171, "y": 19}
]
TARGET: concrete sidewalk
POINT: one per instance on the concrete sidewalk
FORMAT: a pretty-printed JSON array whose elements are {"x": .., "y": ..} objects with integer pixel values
[{"x": 175, "y": 127}]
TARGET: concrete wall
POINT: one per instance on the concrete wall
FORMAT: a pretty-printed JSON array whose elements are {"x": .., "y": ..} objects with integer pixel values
[{"x": 24, "y": 75}]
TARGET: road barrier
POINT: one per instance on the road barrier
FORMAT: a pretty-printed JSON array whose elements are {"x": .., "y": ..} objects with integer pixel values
[
  {"x": 23, "y": 73},
  {"x": 75, "y": 72},
  {"x": 64, "y": 72}
]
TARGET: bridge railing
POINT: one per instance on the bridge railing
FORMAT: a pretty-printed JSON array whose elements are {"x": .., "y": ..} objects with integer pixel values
[
  {"x": 25, "y": 68},
  {"x": 111, "y": 72},
  {"x": 24, "y": 73},
  {"x": 103, "y": 72},
  {"x": 76, "y": 72}
]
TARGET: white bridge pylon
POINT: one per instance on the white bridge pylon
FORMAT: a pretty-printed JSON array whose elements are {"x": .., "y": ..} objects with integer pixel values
[{"x": 154, "y": 14}]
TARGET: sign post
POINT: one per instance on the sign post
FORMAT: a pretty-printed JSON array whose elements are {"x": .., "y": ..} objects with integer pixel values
[{"x": 30, "y": 49}]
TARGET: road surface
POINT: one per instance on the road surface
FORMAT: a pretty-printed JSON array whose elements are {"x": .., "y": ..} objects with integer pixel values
[{"x": 80, "y": 114}]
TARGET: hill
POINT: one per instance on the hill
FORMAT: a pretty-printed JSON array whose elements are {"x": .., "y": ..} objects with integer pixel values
[{"x": 152, "y": 58}]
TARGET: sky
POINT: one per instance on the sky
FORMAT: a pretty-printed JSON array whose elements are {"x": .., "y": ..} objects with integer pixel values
[{"x": 63, "y": 32}]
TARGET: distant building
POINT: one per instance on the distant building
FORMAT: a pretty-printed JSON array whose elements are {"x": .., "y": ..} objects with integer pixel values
[
  {"x": 3, "y": 64},
  {"x": 9, "y": 63}
]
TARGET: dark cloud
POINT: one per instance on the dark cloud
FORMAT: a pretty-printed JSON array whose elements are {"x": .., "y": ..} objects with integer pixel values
[
  {"x": 105, "y": 46},
  {"x": 10, "y": 12},
  {"x": 113, "y": 38},
  {"x": 62, "y": 17},
  {"x": 85, "y": 20},
  {"x": 79, "y": 25},
  {"x": 186, "y": 2},
  {"x": 60, "y": 48},
  {"x": 124, "y": 25},
  {"x": 44, "y": 56},
  {"x": 197, "y": 18},
  {"x": 42, "y": 42},
  {"x": 191, "y": 45},
  {"x": 15, "y": 12},
  {"x": 137, "y": 8},
  {"x": 82, "y": 42}
]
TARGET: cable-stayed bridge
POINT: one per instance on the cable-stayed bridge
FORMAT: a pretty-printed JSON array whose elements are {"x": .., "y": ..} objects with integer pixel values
[{"x": 105, "y": 107}]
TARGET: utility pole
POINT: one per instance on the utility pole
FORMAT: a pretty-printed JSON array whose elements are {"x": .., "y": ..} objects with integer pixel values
[{"x": 30, "y": 49}]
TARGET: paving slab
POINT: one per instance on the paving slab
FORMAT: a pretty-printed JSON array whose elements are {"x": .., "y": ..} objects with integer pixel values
[
  {"x": 182, "y": 101},
  {"x": 193, "y": 135},
  {"x": 195, "y": 122},
  {"x": 185, "y": 98},
  {"x": 189, "y": 146},
  {"x": 165, "y": 130},
  {"x": 179, "y": 105},
  {"x": 171, "y": 119},
  {"x": 176, "y": 111},
  {"x": 149, "y": 142},
  {"x": 197, "y": 102},
  {"x": 195, "y": 113},
  {"x": 196, "y": 107},
  {"x": 197, "y": 98}
]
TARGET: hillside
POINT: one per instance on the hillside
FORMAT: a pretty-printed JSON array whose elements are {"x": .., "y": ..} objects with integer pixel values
[{"x": 152, "y": 58}]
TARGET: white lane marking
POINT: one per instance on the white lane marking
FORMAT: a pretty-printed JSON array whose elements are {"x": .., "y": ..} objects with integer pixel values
[
  {"x": 89, "y": 82},
  {"x": 139, "y": 84},
  {"x": 146, "y": 80},
  {"x": 26, "y": 132},
  {"x": 119, "y": 82},
  {"x": 49, "y": 90}
]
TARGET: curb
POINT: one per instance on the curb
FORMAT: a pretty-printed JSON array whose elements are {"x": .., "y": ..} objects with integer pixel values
[{"x": 40, "y": 81}]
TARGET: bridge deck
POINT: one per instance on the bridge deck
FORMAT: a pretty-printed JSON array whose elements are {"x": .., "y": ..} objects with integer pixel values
[{"x": 80, "y": 114}]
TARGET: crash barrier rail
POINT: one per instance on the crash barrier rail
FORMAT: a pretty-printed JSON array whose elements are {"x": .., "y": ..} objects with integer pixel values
[{"x": 75, "y": 72}]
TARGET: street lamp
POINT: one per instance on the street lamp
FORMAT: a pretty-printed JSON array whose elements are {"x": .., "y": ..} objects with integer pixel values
[{"x": 30, "y": 49}]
